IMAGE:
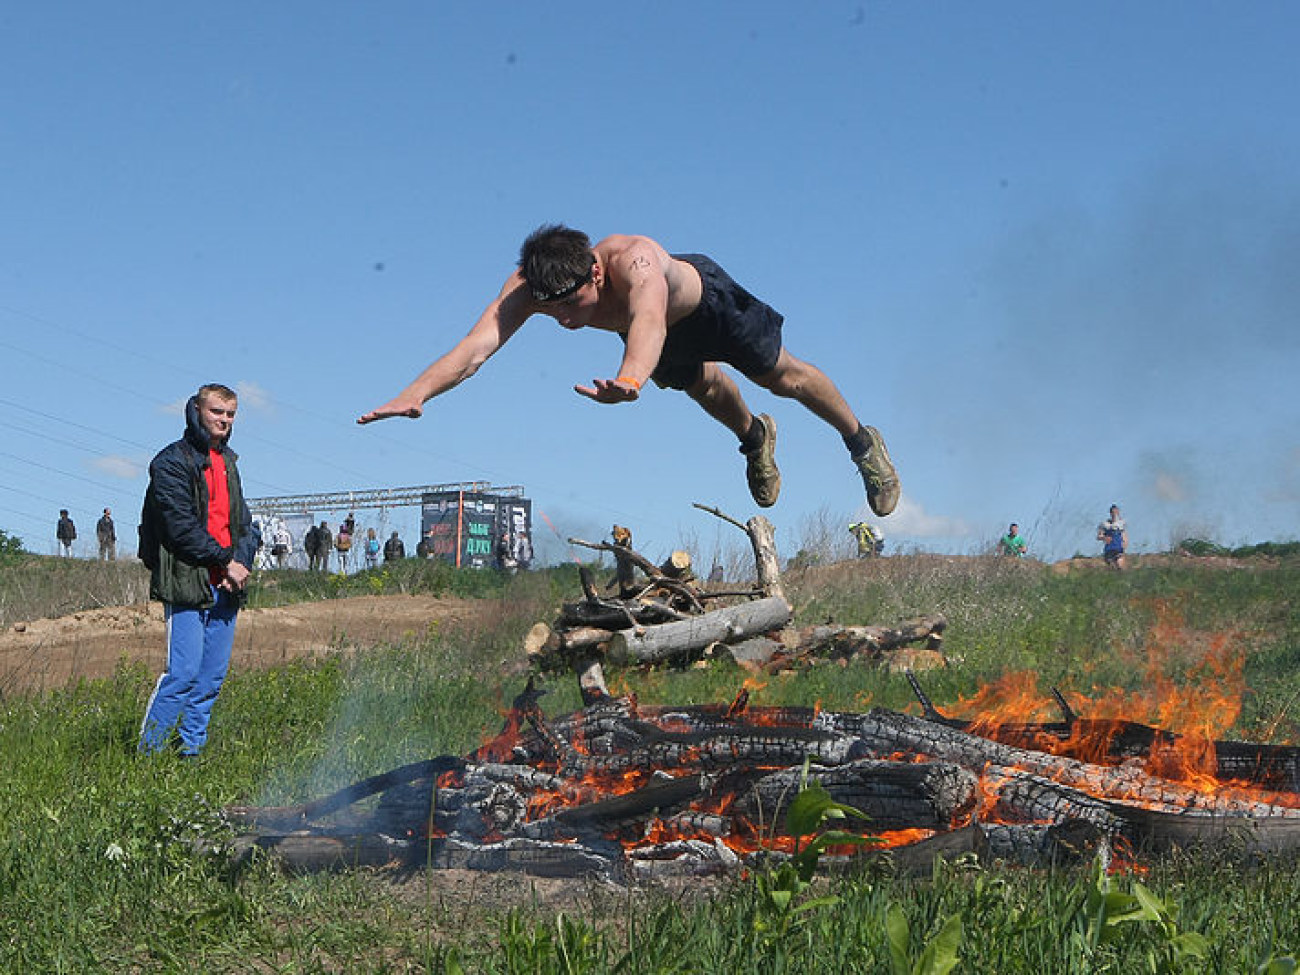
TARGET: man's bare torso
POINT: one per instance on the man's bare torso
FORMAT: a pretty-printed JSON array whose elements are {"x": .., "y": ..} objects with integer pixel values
[{"x": 621, "y": 256}]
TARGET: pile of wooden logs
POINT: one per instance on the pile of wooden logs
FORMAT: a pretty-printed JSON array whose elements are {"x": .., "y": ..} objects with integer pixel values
[{"x": 667, "y": 617}]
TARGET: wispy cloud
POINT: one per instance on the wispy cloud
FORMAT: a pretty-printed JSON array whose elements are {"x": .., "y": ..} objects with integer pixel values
[
  {"x": 910, "y": 519},
  {"x": 253, "y": 396},
  {"x": 117, "y": 466}
]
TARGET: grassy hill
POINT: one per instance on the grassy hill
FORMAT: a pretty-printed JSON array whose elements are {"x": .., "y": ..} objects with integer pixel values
[{"x": 97, "y": 871}]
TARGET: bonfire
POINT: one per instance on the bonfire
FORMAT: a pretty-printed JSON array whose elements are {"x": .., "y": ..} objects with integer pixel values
[{"x": 628, "y": 791}]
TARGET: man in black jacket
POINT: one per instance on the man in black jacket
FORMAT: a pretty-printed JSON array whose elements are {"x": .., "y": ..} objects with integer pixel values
[
  {"x": 198, "y": 539},
  {"x": 66, "y": 533},
  {"x": 106, "y": 533}
]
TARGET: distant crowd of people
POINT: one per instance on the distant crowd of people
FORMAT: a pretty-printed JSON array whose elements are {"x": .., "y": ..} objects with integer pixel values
[
  {"x": 320, "y": 542},
  {"x": 1112, "y": 533}
]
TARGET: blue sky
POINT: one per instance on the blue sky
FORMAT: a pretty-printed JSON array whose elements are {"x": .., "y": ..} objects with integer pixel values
[{"x": 1050, "y": 250}]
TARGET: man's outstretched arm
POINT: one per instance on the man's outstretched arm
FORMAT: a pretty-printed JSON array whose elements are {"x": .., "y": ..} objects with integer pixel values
[
  {"x": 500, "y": 320},
  {"x": 640, "y": 272}
]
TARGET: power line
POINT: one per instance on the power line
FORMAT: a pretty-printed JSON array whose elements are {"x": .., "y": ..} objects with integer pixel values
[
  {"x": 172, "y": 368},
  {"x": 71, "y": 423},
  {"x": 55, "y": 470}
]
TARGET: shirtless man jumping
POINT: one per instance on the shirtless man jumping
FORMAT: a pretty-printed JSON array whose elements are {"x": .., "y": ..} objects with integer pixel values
[{"x": 680, "y": 316}]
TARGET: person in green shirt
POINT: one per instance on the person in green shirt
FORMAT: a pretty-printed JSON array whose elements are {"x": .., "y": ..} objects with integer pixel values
[{"x": 1013, "y": 543}]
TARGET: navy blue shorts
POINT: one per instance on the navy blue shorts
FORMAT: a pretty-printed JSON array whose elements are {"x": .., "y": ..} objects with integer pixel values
[{"x": 730, "y": 325}]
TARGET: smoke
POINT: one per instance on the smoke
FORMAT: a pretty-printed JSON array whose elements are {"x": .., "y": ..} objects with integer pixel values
[
  {"x": 1142, "y": 346},
  {"x": 1169, "y": 476}
]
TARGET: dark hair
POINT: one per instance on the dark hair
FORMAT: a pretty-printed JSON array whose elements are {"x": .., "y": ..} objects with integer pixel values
[{"x": 555, "y": 260}]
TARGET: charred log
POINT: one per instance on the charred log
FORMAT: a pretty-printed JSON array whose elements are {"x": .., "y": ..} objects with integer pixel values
[
  {"x": 626, "y": 790},
  {"x": 894, "y": 795}
]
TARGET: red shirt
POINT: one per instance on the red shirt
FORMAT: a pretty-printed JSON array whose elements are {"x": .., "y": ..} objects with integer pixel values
[{"x": 218, "y": 504}]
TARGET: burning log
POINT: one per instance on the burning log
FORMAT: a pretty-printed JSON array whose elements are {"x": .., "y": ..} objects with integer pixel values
[
  {"x": 629, "y": 791},
  {"x": 894, "y": 795},
  {"x": 1114, "y": 741}
]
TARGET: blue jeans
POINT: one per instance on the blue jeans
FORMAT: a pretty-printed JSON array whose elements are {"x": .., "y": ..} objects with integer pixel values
[{"x": 199, "y": 643}]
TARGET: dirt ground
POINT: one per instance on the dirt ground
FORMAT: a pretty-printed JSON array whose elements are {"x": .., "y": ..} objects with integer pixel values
[{"x": 45, "y": 654}]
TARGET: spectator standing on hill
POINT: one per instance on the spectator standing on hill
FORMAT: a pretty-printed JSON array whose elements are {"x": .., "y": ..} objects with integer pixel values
[
  {"x": 281, "y": 544},
  {"x": 1113, "y": 534},
  {"x": 198, "y": 539},
  {"x": 871, "y": 540},
  {"x": 343, "y": 545},
  {"x": 106, "y": 533},
  {"x": 1013, "y": 543},
  {"x": 66, "y": 533},
  {"x": 326, "y": 546},
  {"x": 372, "y": 549},
  {"x": 680, "y": 317},
  {"x": 394, "y": 549},
  {"x": 311, "y": 545}
]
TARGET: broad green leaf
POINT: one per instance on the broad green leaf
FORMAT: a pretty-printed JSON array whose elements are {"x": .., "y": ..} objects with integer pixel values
[
  {"x": 897, "y": 936},
  {"x": 1191, "y": 944},
  {"x": 1153, "y": 908},
  {"x": 808, "y": 809},
  {"x": 940, "y": 955},
  {"x": 1286, "y": 965},
  {"x": 814, "y": 903}
]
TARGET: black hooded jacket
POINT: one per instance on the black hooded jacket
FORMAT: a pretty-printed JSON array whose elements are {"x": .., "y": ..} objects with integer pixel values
[{"x": 174, "y": 539}]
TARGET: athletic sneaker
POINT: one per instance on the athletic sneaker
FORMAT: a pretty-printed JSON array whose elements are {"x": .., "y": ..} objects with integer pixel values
[
  {"x": 878, "y": 474},
  {"x": 760, "y": 466}
]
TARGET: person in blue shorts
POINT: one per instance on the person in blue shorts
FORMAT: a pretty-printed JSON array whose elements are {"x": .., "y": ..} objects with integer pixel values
[
  {"x": 1113, "y": 535},
  {"x": 681, "y": 317}
]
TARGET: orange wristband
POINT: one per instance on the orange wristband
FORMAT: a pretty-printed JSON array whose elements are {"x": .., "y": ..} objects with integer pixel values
[{"x": 630, "y": 381}]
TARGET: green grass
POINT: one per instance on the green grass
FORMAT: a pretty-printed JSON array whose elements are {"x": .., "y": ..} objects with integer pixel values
[{"x": 98, "y": 869}]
